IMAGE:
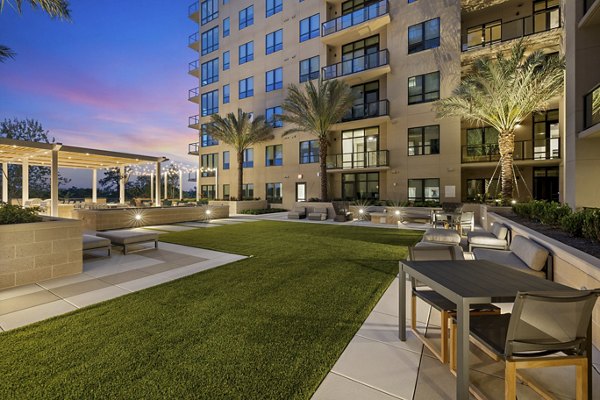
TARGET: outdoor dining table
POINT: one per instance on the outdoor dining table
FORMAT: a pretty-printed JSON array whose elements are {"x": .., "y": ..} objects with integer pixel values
[{"x": 471, "y": 282}]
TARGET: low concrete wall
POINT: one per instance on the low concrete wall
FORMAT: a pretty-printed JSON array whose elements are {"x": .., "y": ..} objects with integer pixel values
[
  {"x": 572, "y": 267},
  {"x": 39, "y": 251},
  {"x": 235, "y": 207},
  {"x": 104, "y": 219}
]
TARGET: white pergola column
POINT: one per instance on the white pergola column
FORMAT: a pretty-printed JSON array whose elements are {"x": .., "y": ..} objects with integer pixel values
[
  {"x": 157, "y": 198},
  {"x": 54, "y": 183},
  {"x": 25, "y": 181},
  {"x": 5, "y": 182},
  {"x": 197, "y": 184},
  {"x": 180, "y": 184},
  {"x": 152, "y": 188},
  {"x": 94, "y": 186},
  {"x": 122, "y": 182},
  {"x": 166, "y": 183},
  {"x": 217, "y": 181}
]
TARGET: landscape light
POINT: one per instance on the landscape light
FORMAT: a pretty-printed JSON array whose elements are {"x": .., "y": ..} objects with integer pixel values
[
  {"x": 361, "y": 211},
  {"x": 138, "y": 217},
  {"x": 513, "y": 202},
  {"x": 207, "y": 212},
  {"x": 397, "y": 212}
]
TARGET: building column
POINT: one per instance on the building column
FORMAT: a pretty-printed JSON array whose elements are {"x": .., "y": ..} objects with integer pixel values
[
  {"x": 180, "y": 184},
  {"x": 157, "y": 196},
  {"x": 152, "y": 188},
  {"x": 166, "y": 183},
  {"x": 5, "y": 182},
  {"x": 54, "y": 183},
  {"x": 94, "y": 186},
  {"x": 25, "y": 181},
  {"x": 216, "y": 182},
  {"x": 122, "y": 182},
  {"x": 197, "y": 184}
]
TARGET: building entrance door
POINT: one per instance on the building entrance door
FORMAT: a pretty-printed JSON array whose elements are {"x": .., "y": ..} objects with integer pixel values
[
  {"x": 546, "y": 184},
  {"x": 301, "y": 191}
]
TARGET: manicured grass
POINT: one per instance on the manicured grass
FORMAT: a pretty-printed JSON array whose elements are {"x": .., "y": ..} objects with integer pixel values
[{"x": 267, "y": 327}]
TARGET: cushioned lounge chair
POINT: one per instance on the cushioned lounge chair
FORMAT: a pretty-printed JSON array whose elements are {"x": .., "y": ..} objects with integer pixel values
[{"x": 496, "y": 239}]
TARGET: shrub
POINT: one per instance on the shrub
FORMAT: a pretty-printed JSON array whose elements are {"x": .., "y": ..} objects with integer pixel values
[
  {"x": 573, "y": 223},
  {"x": 553, "y": 213},
  {"x": 523, "y": 210},
  {"x": 10, "y": 214},
  {"x": 262, "y": 211},
  {"x": 591, "y": 224}
]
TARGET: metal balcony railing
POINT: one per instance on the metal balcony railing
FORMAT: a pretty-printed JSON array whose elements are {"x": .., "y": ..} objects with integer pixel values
[
  {"x": 587, "y": 4},
  {"x": 355, "y": 18},
  {"x": 541, "y": 149},
  {"x": 357, "y": 64},
  {"x": 592, "y": 108},
  {"x": 193, "y": 65},
  {"x": 367, "y": 159},
  {"x": 492, "y": 32},
  {"x": 193, "y": 8},
  {"x": 194, "y": 149},
  {"x": 193, "y": 120},
  {"x": 368, "y": 110},
  {"x": 195, "y": 92},
  {"x": 193, "y": 38}
]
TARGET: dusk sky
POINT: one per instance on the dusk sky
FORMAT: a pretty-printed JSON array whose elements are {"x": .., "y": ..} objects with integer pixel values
[{"x": 114, "y": 78}]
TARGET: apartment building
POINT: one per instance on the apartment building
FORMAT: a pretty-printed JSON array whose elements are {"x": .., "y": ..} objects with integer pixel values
[{"x": 399, "y": 56}]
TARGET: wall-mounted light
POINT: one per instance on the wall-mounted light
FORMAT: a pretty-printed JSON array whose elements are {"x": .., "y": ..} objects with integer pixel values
[{"x": 300, "y": 176}]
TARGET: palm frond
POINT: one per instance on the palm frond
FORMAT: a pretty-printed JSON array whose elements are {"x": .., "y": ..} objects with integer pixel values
[
  {"x": 6, "y": 53},
  {"x": 55, "y": 8},
  {"x": 239, "y": 130}
]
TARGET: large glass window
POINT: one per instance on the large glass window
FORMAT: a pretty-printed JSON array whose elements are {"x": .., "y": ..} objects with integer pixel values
[
  {"x": 420, "y": 190},
  {"x": 360, "y": 55},
  {"x": 362, "y": 186},
  {"x": 226, "y": 60},
  {"x": 209, "y": 9},
  {"x": 272, "y": 116},
  {"x": 360, "y": 148},
  {"x": 310, "y": 28},
  {"x": 309, "y": 152},
  {"x": 424, "y": 140},
  {"x": 485, "y": 34},
  {"x": 226, "y": 94},
  {"x": 226, "y": 191},
  {"x": 226, "y": 27},
  {"x": 424, "y": 88},
  {"x": 366, "y": 101},
  {"x": 423, "y": 36},
  {"x": 210, "y": 72},
  {"x": 274, "y": 41},
  {"x": 482, "y": 142},
  {"x": 205, "y": 139},
  {"x": 310, "y": 69},
  {"x": 210, "y": 103},
  {"x": 274, "y": 7},
  {"x": 546, "y": 135},
  {"x": 480, "y": 189},
  {"x": 274, "y": 155},
  {"x": 275, "y": 193},
  {"x": 274, "y": 79},
  {"x": 247, "y": 191},
  {"x": 246, "y": 52},
  {"x": 246, "y": 88},
  {"x": 210, "y": 40},
  {"x": 208, "y": 164},
  {"x": 355, "y": 5},
  {"x": 248, "y": 158},
  {"x": 246, "y": 17},
  {"x": 207, "y": 191},
  {"x": 225, "y": 160}
]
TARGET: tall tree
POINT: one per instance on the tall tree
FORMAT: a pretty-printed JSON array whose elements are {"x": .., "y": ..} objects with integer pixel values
[
  {"x": 241, "y": 132},
  {"x": 55, "y": 8},
  {"x": 501, "y": 92},
  {"x": 314, "y": 109}
]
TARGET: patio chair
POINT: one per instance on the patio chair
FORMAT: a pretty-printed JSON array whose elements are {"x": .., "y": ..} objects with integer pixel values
[
  {"x": 318, "y": 214},
  {"x": 297, "y": 213},
  {"x": 437, "y": 301},
  {"x": 466, "y": 221},
  {"x": 541, "y": 324}
]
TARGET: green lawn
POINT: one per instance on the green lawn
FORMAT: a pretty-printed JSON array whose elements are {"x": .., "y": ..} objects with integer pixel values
[{"x": 268, "y": 327}]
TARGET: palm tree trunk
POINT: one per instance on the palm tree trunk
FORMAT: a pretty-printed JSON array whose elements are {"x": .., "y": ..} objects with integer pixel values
[
  {"x": 240, "y": 157},
  {"x": 506, "y": 142},
  {"x": 323, "y": 166}
]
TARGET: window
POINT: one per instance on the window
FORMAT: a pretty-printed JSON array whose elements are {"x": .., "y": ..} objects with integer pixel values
[
  {"x": 226, "y": 60},
  {"x": 274, "y": 79},
  {"x": 226, "y": 189},
  {"x": 424, "y": 140},
  {"x": 275, "y": 193},
  {"x": 226, "y": 94},
  {"x": 246, "y": 88},
  {"x": 225, "y": 160},
  {"x": 424, "y": 88},
  {"x": 421, "y": 190},
  {"x": 274, "y": 41},
  {"x": 209, "y": 10},
  {"x": 424, "y": 36},
  {"x": 310, "y": 69},
  {"x": 360, "y": 186},
  {"x": 274, "y": 7},
  {"x": 210, "y": 72},
  {"x": 226, "y": 27},
  {"x": 248, "y": 158},
  {"x": 272, "y": 116},
  {"x": 310, "y": 28},
  {"x": 546, "y": 135},
  {"x": 274, "y": 155},
  {"x": 246, "y": 52},
  {"x": 210, "y": 103},
  {"x": 350, "y": 6},
  {"x": 207, "y": 191},
  {"x": 210, "y": 40},
  {"x": 482, "y": 142},
  {"x": 246, "y": 17},
  {"x": 591, "y": 115},
  {"x": 247, "y": 191},
  {"x": 477, "y": 188},
  {"x": 208, "y": 164},
  {"x": 360, "y": 148},
  {"x": 309, "y": 152},
  {"x": 205, "y": 139}
]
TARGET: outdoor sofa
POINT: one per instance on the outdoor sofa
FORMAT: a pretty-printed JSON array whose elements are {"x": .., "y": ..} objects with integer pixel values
[
  {"x": 496, "y": 239},
  {"x": 297, "y": 213},
  {"x": 318, "y": 214}
]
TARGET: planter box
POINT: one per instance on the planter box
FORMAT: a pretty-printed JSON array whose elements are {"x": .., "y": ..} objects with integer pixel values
[
  {"x": 235, "y": 207},
  {"x": 39, "y": 251}
]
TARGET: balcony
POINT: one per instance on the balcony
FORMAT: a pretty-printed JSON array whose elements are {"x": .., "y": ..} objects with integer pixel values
[
  {"x": 359, "y": 69},
  {"x": 542, "y": 150},
  {"x": 496, "y": 32},
  {"x": 194, "y": 11},
  {"x": 373, "y": 160},
  {"x": 194, "y": 41},
  {"x": 591, "y": 119},
  {"x": 353, "y": 26},
  {"x": 591, "y": 16},
  {"x": 194, "y": 68},
  {"x": 376, "y": 112},
  {"x": 194, "y": 122},
  {"x": 194, "y": 149},
  {"x": 194, "y": 95}
]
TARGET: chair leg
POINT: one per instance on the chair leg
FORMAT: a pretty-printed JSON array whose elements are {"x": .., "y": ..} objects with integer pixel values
[
  {"x": 444, "y": 336},
  {"x": 581, "y": 375},
  {"x": 452, "y": 361},
  {"x": 510, "y": 381},
  {"x": 413, "y": 312}
]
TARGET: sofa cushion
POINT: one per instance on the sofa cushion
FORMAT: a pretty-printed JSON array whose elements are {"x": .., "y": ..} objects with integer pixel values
[
  {"x": 486, "y": 240},
  {"x": 500, "y": 231},
  {"x": 531, "y": 253},
  {"x": 457, "y": 250},
  {"x": 322, "y": 210},
  {"x": 94, "y": 242},
  {"x": 444, "y": 236},
  {"x": 506, "y": 258},
  {"x": 128, "y": 237}
]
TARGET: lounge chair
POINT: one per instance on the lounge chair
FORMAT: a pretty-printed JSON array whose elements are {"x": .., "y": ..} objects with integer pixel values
[
  {"x": 441, "y": 236},
  {"x": 496, "y": 239},
  {"x": 318, "y": 214},
  {"x": 466, "y": 221},
  {"x": 297, "y": 213}
]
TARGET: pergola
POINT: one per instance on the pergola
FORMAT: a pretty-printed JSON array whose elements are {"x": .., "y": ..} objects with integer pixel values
[{"x": 57, "y": 155}]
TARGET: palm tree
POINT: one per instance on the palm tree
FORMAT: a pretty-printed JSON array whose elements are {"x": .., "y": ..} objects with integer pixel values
[
  {"x": 241, "y": 132},
  {"x": 501, "y": 93},
  {"x": 315, "y": 109},
  {"x": 54, "y": 8}
]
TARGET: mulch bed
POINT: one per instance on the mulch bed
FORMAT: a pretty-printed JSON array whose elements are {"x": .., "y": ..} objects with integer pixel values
[{"x": 585, "y": 245}]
